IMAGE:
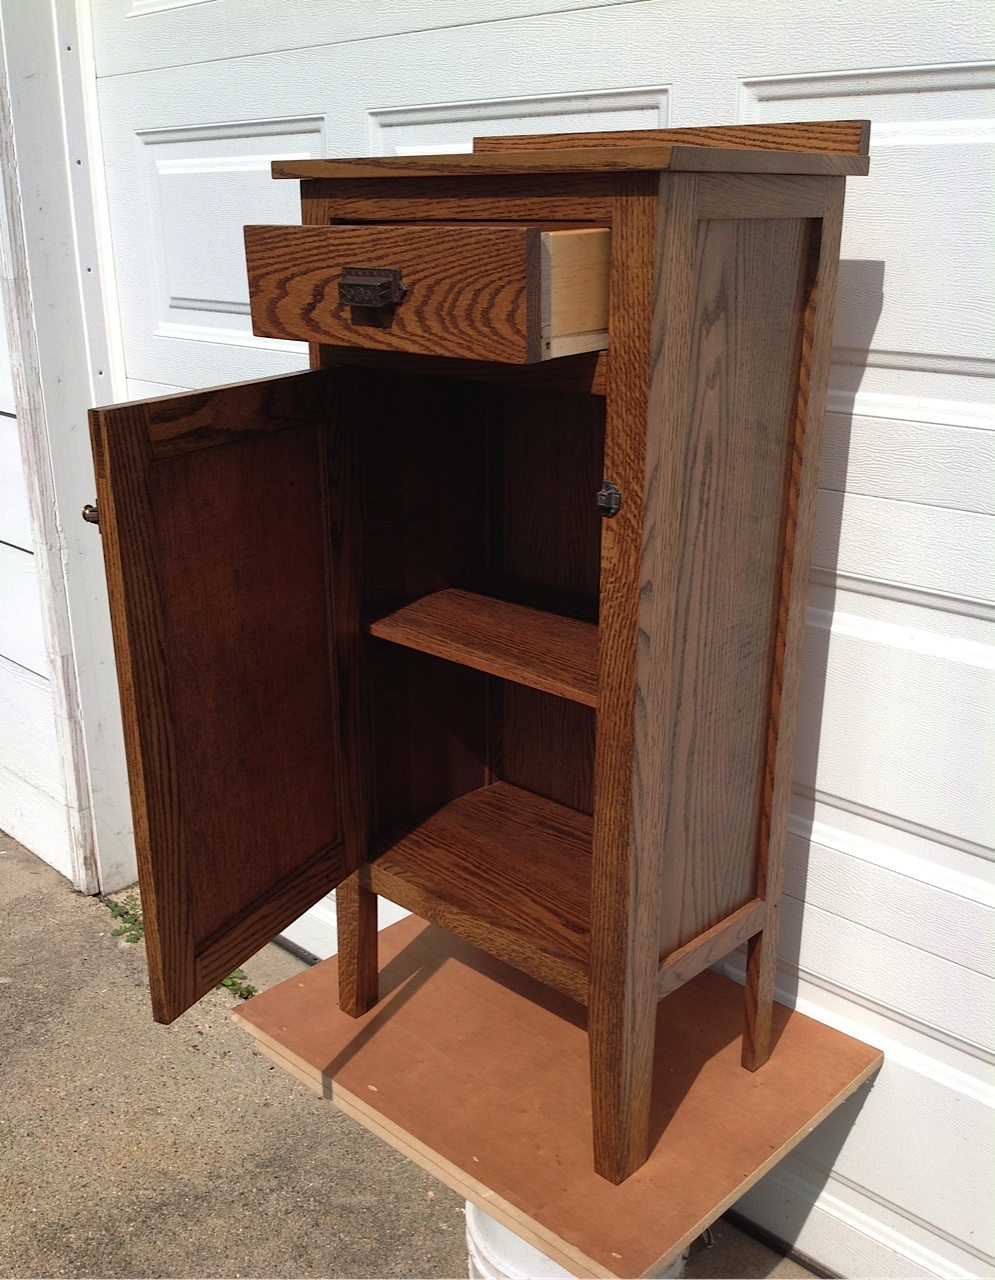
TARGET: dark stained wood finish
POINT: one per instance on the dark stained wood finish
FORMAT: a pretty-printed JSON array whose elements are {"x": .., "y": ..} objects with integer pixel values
[
  {"x": 801, "y": 488},
  {"x": 424, "y": 450},
  {"x": 480, "y": 1076},
  {"x": 225, "y": 415},
  {"x": 538, "y": 198},
  {"x": 553, "y": 467},
  {"x": 548, "y": 746},
  {"x": 745, "y": 334},
  {"x": 218, "y": 578},
  {"x": 815, "y": 135},
  {"x": 254, "y": 533},
  {"x": 429, "y": 734},
  {"x": 356, "y": 918},
  {"x": 504, "y": 869},
  {"x": 356, "y": 909},
  {"x": 624, "y": 901},
  {"x": 712, "y": 945},
  {"x": 606, "y": 159},
  {"x": 472, "y": 291},
  {"x": 541, "y": 650},
  {"x": 583, "y": 373},
  {"x": 755, "y": 195}
]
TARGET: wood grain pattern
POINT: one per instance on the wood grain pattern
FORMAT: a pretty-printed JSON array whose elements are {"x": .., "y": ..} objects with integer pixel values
[
  {"x": 220, "y": 415},
  {"x": 752, "y": 195},
  {"x": 504, "y": 869},
  {"x": 745, "y": 335},
  {"x": 472, "y": 291},
  {"x": 814, "y": 135},
  {"x": 521, "y": 198},
  {"x": 548, "y": 746},
  {"x": 818, "y": 302},
  {"x": 624, "y": 904},
  {"x": 223, "y": 646},
  {"x": 356, "y": 921},
  {"x": 541, "y": 650},
  {"x": 715, "y": 943},
  {"x": 574, "y": 300},
  {"x": 356, "y": 909},
  {"x": 494, "y": 1097},
  {"x": 657, "y": 666},
  {"x": 718, "y": 160},
  {"x": 607, "y": 159},
  {"x": 122, "y": 458}
]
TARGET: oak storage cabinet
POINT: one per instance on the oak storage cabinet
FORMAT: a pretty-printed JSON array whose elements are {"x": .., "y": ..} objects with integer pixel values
[{"x": 497, "y": 611}]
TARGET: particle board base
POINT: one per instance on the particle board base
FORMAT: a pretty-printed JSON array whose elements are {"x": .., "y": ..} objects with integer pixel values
[{"x": 480, "y": 1075}]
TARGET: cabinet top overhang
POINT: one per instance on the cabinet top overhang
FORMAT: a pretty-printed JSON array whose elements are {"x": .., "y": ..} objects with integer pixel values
[{"x": 584, "y": 159}]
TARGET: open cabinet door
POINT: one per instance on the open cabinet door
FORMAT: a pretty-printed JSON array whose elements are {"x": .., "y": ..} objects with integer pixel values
[{"x": 232, "y": 635}]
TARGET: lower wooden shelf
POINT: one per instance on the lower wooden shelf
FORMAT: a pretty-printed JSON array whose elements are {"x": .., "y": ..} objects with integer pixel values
[
  {"x": 504, "y": 869},
  {"x": 480, "y": 1075}
]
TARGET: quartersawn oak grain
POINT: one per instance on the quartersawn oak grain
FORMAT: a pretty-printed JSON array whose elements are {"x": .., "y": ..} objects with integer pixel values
[{"x": 541, "y": 650}]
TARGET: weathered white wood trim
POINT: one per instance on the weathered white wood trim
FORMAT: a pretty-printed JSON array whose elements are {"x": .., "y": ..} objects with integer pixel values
[
  {"x": 55, "y": 310},
  {"x": 33, "y": 433}
]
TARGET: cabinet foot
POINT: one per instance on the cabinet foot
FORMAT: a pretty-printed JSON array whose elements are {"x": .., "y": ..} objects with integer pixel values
[{"x": 761, "y": 967}]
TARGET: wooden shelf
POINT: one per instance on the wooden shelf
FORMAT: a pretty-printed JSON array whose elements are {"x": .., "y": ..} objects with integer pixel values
[
  {"x": 542, "y": 650},
  {"x": 505, "y": 869}
]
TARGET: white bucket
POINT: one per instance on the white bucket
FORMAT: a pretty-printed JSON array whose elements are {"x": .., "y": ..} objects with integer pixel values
[{"x": 495, "y": 1253}]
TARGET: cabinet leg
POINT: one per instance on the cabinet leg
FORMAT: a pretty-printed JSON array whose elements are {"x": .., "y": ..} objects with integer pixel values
[
  {"x": 761, "y": 968},
  {"x": 359, "y": 977},
  {"x": 622, "y": 1038}
]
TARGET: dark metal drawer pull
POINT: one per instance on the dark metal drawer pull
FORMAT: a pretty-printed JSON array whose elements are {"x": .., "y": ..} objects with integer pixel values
[{"x": 370, "y": 287}]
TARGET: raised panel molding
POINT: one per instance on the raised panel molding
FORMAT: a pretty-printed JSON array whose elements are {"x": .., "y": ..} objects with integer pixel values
[
  {"x": 951, "y": 413},
  {"x": 139, "y": 8},
  {"x": 894, "y": 82},
  {"x": 207, "y": 182},
  {"x": 912, "y": 639},
  {"x": 451, "y": 126}
]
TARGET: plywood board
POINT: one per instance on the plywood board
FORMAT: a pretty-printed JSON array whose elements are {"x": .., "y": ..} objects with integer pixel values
[{"x": 480, "y": 1075}]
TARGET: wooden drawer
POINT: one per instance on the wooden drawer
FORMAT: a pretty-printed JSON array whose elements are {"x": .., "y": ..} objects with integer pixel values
[{"x": 514, "y": 294}]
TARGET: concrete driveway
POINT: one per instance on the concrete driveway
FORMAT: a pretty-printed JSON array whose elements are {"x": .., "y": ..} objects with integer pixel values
[{"x": 131, "y": 1149}]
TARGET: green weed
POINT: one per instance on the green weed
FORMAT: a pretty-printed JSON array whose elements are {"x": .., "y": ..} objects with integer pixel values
[{"x": 132, "y": 929}]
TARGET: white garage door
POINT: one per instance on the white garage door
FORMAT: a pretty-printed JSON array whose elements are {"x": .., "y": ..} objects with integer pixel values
[{"x": 891, "y": 848}]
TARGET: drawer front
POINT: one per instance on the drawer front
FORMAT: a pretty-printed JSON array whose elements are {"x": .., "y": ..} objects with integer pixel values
[
  {"x": 471, "y": 291},
  {"x": 475, "y": 292}
]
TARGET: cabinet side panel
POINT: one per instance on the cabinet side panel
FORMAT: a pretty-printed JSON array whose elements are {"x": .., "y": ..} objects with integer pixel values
[{"x": 750, "y": 276}]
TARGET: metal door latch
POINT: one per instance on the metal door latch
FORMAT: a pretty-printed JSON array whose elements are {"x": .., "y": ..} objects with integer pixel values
[
  {"x": 609, "y": 499},
  {"x": 90, "y": 514}
]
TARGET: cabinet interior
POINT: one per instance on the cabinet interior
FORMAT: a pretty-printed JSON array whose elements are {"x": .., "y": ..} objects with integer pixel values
[{"x": 478, "y": 602}]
